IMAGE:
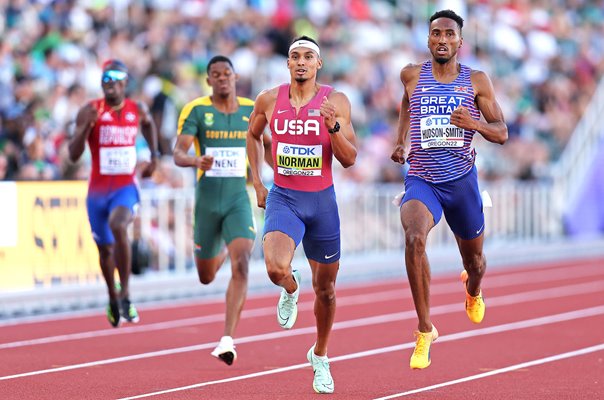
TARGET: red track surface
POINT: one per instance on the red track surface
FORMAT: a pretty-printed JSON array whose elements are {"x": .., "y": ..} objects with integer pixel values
[{"x": 542, "y": 338}]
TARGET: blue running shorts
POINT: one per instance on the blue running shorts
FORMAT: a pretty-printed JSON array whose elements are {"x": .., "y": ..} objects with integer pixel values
[
  {"x": 310, "y": 217},
  {"x": 100, "y": 205},
  {"x": 459, "y": 199}
]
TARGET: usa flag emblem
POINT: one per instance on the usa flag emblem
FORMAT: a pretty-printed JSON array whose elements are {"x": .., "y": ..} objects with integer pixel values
[{"x": 313, "y": 112}]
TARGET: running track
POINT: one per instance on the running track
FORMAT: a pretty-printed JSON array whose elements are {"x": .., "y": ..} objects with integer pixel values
[{"x": 542, "y": 338}]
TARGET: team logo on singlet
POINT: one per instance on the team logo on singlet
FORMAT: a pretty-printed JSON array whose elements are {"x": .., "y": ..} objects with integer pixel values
[
  {"x": 106, "y": 116},
  {"x": 130, "y": 117},
  {"x": 296, "y": 127},
  {"x": 208, "y": 119}
]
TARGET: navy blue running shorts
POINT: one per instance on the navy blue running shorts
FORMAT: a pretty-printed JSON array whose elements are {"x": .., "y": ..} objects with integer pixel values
[
  {"x": 459, "y": 200},
  {"x": 308, "y": 217},
  {"x": 100, "y": 205}
]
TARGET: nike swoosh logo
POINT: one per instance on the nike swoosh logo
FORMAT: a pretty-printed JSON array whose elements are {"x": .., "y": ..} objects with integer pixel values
[
  {"x": 425, "y": 89},
  {"x": 281, "y": 111},
  {"x": 282, "y": 320},
  {"x": 480, "y": 230},
  {"x": 331, "y": 256}
]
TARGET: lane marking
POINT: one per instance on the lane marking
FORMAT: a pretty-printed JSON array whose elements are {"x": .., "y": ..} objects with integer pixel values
[
  {"x": 545, "y": 360},
  {"x": 344, "y": 301},
  {"x": 557, "y": 270},
  {"x": 393, "y": 317},
  {"x": 530, "y": 323}
]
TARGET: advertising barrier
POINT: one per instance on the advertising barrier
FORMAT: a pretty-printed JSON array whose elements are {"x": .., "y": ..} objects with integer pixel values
[{"x": 45, "y": 236}]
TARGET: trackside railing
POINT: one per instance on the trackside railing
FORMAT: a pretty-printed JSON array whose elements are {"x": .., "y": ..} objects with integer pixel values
[{"x": 522, "y": 212}]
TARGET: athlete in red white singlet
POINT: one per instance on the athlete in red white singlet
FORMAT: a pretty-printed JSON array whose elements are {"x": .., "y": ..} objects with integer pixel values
[
  {"x": 110, "y": 126},
  {"x": 112, "y": 146},
  {"x": 310, "y": 123},
  {"x": 301, "y": 144}
]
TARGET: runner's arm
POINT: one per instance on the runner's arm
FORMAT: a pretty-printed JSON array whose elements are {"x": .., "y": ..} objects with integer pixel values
[
  {"x": 409, "y": 76},
  {"x": 343, "y": 143},
  {"x": 254, "y": 140},
  {"x": 493, "y": 128},
  {"x": 85, "y": 121},
  {"x": 148, "y": 128},
  {"x": 267, "y": 141}
]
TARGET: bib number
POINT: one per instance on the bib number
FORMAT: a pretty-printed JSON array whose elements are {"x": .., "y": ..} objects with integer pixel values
[
  {"x": 228, "y": 162},
  {"x": 299, "y": 160},
  {"x": 437, "y": 131},
  {"x": 117, "y": 160}
]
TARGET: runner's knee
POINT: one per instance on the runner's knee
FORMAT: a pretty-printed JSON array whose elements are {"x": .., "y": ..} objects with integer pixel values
[
  {"x": 205, "y": 271},
  {"x": 415, "y": 242},
  {"x": 325, "y": 292},
  {"x": 118, "y": 227},
  {"x": 476, "y": 263},
  {"x": 240, "y": 266}
]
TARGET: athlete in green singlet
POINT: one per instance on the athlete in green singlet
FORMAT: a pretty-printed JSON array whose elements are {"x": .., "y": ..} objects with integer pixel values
[{"x": 217, "y": 125}]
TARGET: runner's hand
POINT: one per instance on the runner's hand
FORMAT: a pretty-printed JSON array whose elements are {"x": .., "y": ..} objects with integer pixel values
[
  {"x": 261, "y": 194},
  {"x": 149, "y": 168},
  {"x": 87, "y": 118},
  {"x": 461, "y": 118},
  {"x": 204, "y": 162},
  {"x": 398, "y": 155},
  {"x": 328, "y": 111}
]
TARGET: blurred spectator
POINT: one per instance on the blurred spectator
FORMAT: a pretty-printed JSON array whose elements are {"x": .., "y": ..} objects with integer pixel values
[{"x": 545, "y": 59}]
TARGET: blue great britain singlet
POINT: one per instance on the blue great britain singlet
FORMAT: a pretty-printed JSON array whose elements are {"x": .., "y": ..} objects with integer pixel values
[{"x": 440, "y": 151}]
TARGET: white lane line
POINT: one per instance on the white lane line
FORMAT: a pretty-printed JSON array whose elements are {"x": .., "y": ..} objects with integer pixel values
[
  {"x": 508, "y": 277},
  {"x": 303, "y": 331},
  {"x": 545, "y": 360},
  {"x": 344, "y": 301},
  {"x": 530, "y": 323}
]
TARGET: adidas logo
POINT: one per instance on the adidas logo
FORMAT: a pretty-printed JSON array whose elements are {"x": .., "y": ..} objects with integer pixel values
[{"x": 106, "y": 116}]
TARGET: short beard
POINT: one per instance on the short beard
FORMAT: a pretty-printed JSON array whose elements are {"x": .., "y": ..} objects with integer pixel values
[
  {"x": 300, "y": 79},
  {"x": 441, "y": 60}
]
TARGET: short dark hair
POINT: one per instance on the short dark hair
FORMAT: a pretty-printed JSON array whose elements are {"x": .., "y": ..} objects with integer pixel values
[
  {"x": 115, "y": 64},
  {"x": 217, "y": 59},
  {"x": 304, "y": 37},
  {"x": 448, "y": 14}
]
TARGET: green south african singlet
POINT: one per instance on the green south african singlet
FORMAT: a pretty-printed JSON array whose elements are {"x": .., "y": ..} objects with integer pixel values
[{"x": 222, "y": 204}]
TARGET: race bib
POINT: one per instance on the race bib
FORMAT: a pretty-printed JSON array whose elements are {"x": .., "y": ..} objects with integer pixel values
[
  {"x": 294, "y": 159},
  {"x": 228, "y": 162},
  {"x": 437, "y": 131},
  {"x": 117, "y": 160}
]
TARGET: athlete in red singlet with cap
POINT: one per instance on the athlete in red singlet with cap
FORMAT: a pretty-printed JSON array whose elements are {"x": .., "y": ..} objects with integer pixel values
[
  {"x": 310, "y": 123},
  {"x": 110, "y": 126}
]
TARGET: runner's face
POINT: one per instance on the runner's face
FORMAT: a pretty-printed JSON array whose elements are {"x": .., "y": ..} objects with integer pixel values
[
  {"x": 303, "y": 64},
  {"x": 222, "y": 78},
  {"x": 444, "y": 39},
  {"x": 113, "y": 83}
]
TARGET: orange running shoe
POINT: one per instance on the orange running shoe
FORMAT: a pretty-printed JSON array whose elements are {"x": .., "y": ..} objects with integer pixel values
[
  {"x": 420, "y": 358},
  {"x": 475, "y": 306}
]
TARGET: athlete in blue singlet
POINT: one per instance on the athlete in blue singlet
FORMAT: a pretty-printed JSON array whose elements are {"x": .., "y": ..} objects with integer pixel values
[{"x": 440, "y": 113}]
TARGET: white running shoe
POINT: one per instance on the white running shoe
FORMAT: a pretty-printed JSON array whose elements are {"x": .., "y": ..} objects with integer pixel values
[
  {"x": 287, "y": 308},
  {"x": 225, "y": 350},
  {"x": 322, "y": 381}
]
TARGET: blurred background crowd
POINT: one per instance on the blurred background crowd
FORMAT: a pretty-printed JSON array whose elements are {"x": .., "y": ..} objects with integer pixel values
[{"x": 543, "y": 56}]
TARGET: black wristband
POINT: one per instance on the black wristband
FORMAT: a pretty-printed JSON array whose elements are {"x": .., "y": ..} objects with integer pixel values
[{"x": 336, "y": 128}]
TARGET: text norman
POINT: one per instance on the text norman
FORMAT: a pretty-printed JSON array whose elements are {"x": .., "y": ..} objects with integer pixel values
[{"x": 298, "y": 162}]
